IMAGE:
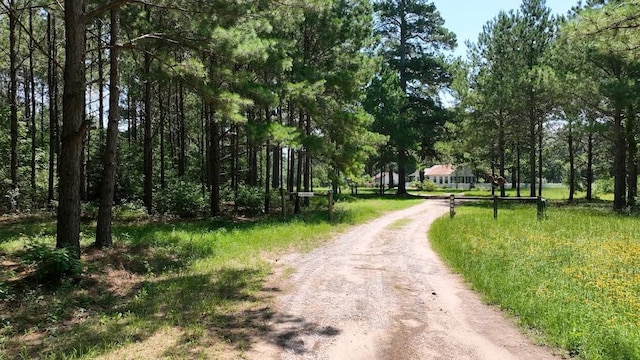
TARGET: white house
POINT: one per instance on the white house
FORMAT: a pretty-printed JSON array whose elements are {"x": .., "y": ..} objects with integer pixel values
[{"x": 450, "y": 176}]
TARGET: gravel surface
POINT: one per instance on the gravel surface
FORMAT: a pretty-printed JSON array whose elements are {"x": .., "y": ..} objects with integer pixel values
[{"x": 379, "y": 291}]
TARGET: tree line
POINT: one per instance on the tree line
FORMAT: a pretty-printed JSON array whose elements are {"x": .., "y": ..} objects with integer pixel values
[
  {"x": 201, "y": 107},
  {"x": 542, "y": 95},
  {"x": 198, "y": 105}
]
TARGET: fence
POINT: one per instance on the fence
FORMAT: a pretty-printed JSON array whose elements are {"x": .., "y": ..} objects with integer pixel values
[{"x": 540, "y": 202}]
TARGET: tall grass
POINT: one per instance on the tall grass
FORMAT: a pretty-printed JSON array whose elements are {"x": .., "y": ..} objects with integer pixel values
[
  {"x": 202, "y": 281},
  {"x": 574, "y": 277}
]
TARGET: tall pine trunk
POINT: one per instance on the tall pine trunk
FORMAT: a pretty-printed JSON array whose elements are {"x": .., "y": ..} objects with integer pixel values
[
  {"x": 100, "y": 85},
  {"x": 107, "y": 189},
  {"x": 590, "y": 155},
  {"x": 540, "y": 133},
  {"x": 73, "y": 103},
  {"x": 501, "y": 150},
  {"x": 148, "y": 137},
  {"x": 182, "y": 162},
  {"x": 619, "y": 161},
  {"x": 53, "y": 106},
  {"x": 532, "y": 146},
  {"x": 13, "y": 92},
  {"x": 299, "y": 164},
  {"x": 267, "y": 182},
  {"x": 518, "y": 168},
  {"x": 632, "y": 151},
  {"x": 572, "y": 166},
  {"x": 214, "y": 165},
  {"x": 162, "y": 117},
  {"x": 32, "y": 83},
  {"x": 307, "y": 162}
]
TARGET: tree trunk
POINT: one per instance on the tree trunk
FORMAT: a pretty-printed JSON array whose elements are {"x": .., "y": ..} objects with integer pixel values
[
  {"x": 276, "y": 165},
  {"x": 632, "y": 150},
  {"x": 252, "y": 157},
  {"x": 13, "y": 92},
  {"x": 100, "y": 86},
  {"x": 107, "y": 189},
  {"x": 83, "y": 157},
  {"x": 73, "y": 103},
  {"x": 572, "y": 166},
  {"x": 29, "y": 120},
  {"x": 214, "y": 164},
  {"x": 518, "y": 169},
  {"x": 540, "y": 133},
  {"x": 298, "y": 179},
  {"x": 590, "y": 154},
  {"x": 619, "y": 161},
  {"x": 53, "y": 106},
  {"x": 148, "y": 137},
  {"x": 32, "y": 83},
  {"x": 235, "y": 159},
  {"x": 532, "y": 146},
  {"x": 134, "y": 122},
  {"x": 162, "y": 115},
  {"x": 182, "y": 161},
  {"x": 501, "y": 151},
  {"x": 402, "y": 172},
  {"x": 307, "y": 162},
  {"x": 267, "y": 182},
  {"x": 204, "y": 149},
  {"x": 381, "y": 179}
]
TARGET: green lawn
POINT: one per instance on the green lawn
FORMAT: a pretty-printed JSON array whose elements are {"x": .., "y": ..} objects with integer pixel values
[
  {"x": 201, "y": 283},
  {"x": 573, "y": 278}
]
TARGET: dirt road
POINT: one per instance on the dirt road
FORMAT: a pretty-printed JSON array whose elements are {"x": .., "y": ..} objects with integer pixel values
[{"x": 378, "y": 291}]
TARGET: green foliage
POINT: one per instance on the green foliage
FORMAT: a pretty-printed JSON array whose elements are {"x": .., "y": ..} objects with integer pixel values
[
  {"x": 89, "y": 210},
  {"x": 426, "y": 185},
  {"x": 603, "y": 186},
  {"x": 250, "y": 198},
  {"x": 413, "y": 117},
  {"x": 51, "y": 264},
  {"x": 130, "y": 210},
  {"x": 181, "y": 198}
]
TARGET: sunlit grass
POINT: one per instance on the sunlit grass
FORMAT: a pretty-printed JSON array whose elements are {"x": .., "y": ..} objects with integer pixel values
[
  {"x": 202, "y": 279},
  {"x": 575, "y": 276},
  {"x": 556, "y": 193}
]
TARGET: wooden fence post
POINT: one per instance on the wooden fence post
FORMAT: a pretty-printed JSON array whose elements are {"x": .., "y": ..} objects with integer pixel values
[
  {"x": 495, "y": 207},
  {"x": 452, "y": 205}
]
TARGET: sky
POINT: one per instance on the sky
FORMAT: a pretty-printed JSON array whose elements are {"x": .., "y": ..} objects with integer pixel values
[{"x": 466, "y": 17}]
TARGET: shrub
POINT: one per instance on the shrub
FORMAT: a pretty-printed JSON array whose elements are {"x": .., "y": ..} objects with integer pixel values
[
  {"x": 425, "y": 185},
  {"x": 89, "y": 210},
  {"x": 51, "y": 263},
  {"x": 129, "y": 210},
  {"x": 250, "y": 197},
  {"x": 603, "y": 186},
  {"x": 181, "y": 198}
]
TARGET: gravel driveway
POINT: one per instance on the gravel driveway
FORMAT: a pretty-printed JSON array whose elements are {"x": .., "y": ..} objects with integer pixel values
[{"x": 379, "y": 291}]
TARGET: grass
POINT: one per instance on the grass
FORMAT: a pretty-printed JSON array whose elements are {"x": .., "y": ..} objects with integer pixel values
[
  {"x": 573, "y": 278},
  {"x": 187, "y": 289},
  {"x": 561, "y": 193}
]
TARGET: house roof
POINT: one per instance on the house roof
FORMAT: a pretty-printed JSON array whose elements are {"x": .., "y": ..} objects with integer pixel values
[{"x": 440, "y": 170}]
